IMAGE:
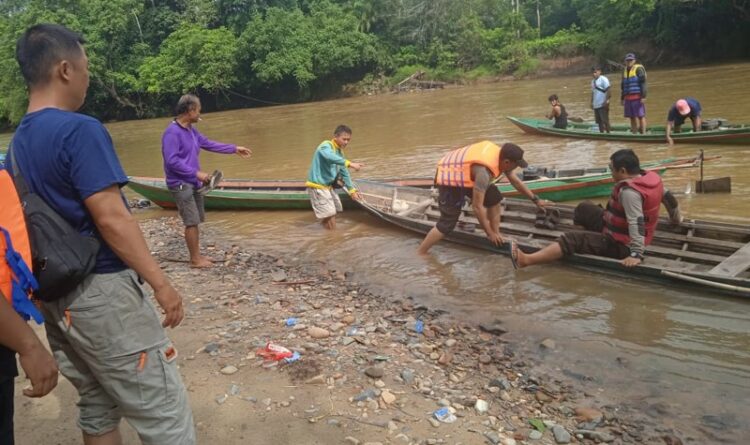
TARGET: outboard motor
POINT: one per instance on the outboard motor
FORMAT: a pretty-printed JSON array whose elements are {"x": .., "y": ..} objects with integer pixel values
[{"x": 532, "y": 172}]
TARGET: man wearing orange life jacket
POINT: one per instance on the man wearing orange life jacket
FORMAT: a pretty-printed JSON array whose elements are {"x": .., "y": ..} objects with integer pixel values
[
  {"x": 626, "y": 226},
  {"x": 468, "y": 172},
  {"x": 15, "y": 305}
]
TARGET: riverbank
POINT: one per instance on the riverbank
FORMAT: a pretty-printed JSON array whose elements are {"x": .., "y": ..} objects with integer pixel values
[{"x": 367, "y": 372}]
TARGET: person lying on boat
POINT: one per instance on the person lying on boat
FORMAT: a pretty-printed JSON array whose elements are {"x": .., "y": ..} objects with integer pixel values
[
  {"x": 469, "y": 172},
  {"x": 623, "y": 229},
  {"x": 558, "y": 112},
  {"x": 678, "y": 112},
  {"x": 329, "y": 170}
]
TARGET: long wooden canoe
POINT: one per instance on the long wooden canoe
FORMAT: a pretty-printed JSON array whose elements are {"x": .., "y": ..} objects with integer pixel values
[
  {"x": 237, "y": 194},
  {"x": 572, "y": 184},
  {"x": 728, "y": 134},
  {"x": 706, "y": 254}
]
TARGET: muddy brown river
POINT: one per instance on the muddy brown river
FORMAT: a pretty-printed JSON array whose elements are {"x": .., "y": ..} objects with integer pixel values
[{"x": 674, "y": 352}]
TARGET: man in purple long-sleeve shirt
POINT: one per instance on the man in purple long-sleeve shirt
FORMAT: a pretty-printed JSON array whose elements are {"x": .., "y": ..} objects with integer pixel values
[{"x": 180, "y": 145}]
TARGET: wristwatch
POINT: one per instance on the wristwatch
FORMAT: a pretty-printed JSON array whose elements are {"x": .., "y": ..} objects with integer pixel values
[{"x": 636, "y": 255}]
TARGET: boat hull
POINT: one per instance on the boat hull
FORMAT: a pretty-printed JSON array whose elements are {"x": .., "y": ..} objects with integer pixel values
[
  {"x": 686, "y": 252},
  {"x": 736, "y": 135}
]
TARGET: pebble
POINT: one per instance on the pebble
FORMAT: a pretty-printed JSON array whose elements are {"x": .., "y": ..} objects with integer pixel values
[
  {"x": 407, "y": 375},
  {"x": 221, "y": 399},
  {"x": 387, "y": 397},
  {"x": 493, "y": 437},
  {"x": 481, "y": 406},
  {"x": 562, "y": 435},
  {"x": 364, "y": 395},
  {"x": 547, "y": 343},
  {"x": 229, "y": 370},
  {"x": 542, "y": 397},
  {"x": 434, "y": 422},
  {"x": 508, "y": 441},
  {"x": 351, "y": 440},
  {"x": 596, "y": 436},
  {"x": 375, "y": 372},
  {"x": 500, "y": 383},
  {"x": 535, "y": 435},
  {"x": 316, "y": 332},
  {"x": 450, "y": 342},
  {"x": 587, "y": 414},
  {"x": 211, "y": 347}
]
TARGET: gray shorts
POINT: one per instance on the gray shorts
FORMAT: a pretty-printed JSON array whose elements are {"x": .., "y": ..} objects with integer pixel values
[
  {"x": 325, "y": 202},
  {"x": 189, "y": 204},
  {"x": 108, "y": 341}
]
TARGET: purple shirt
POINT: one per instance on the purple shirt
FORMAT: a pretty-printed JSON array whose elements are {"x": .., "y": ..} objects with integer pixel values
[{"x": 180, "y": 147}]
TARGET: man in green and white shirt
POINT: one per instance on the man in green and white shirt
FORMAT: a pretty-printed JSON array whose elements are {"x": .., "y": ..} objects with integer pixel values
[{"x": 328, "y": 164}]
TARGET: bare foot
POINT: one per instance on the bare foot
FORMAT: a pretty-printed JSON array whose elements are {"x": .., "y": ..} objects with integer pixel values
[{"x": 201, "y": 263}]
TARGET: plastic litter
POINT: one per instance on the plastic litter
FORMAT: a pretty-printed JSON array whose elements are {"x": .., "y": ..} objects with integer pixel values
[
  {"x": 295, "y": 356},
  {"x": 274, "y": 352},
  {"x": 291, "y": 321},
  {"x": 444, "y": 415},
  {"x": 419, "y": 326}
]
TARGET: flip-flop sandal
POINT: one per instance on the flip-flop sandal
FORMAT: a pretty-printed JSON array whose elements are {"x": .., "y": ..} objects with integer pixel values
[
  {"x": 213, "y": 180},
  {"x": 514, "y": 254},
  {"x": 541, "y": 218},
  {"x": 553, "y": 219}
]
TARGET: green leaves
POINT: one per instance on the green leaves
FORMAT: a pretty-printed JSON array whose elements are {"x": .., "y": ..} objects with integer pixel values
[
  {"x": 291, "y": 44},
  {"x": 191, "y": 58}
]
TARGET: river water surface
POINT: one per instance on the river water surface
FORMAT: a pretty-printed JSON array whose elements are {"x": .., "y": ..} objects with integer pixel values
[{"x": 681, "y": 353}]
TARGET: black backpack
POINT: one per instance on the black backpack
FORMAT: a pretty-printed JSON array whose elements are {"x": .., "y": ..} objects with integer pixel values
[{"x": 61, "y": 256}]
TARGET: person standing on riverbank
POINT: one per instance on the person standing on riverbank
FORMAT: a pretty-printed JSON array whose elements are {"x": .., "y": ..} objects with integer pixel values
[
  {"x": 600, "y": 95},
  {"x": 634, "y": 93},
  {"x": 558, "y": 112},
  {"x": 328, "y": 171},
  {"x": 40, "y": 368},
  {"x": 682, "y": 109},
  {"x": 105, "y": 334},
  {"x": 180, "y": 146},
  {"x": 622, "y": 230},
  {"x": 470, "y": 172}
]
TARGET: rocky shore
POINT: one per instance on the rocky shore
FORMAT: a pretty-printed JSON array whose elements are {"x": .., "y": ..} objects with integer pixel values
[{"x": 367, "y": 369}]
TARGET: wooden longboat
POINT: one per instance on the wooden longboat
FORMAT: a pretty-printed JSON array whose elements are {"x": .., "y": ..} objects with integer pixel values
[
  {"x": 727, "y": 134},
  {"x": 705, "y": 254},
  {"x": 238, "y": 194},
  {"x": 571, "y": 184}
]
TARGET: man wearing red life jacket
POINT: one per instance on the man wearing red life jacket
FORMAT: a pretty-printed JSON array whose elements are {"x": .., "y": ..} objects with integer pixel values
[
  {"x": 468, "y": 172},
  {"x": 626, "y": 226}
]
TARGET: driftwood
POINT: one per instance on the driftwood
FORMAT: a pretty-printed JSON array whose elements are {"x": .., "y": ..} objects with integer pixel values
[{"x": 415, "y": 82}]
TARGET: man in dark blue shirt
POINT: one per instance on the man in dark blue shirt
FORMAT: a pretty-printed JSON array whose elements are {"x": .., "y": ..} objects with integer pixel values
[
  {"x": 678, "y": 112},
  {"x": 105, "y": 334}
]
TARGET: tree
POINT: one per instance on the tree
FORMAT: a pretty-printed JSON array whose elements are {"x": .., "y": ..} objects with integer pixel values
[{"x": 192, "y": 58}]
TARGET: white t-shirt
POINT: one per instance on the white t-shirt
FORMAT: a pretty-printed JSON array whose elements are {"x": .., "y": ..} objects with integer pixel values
[{"x": 600, "y": 97}]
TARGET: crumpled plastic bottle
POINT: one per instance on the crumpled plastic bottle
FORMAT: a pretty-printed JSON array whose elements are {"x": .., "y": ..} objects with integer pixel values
[{"x": 274, "y": 352}]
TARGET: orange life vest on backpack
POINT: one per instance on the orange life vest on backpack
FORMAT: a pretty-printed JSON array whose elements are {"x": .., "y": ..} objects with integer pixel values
[
  {"x": 16, "y": 280},
  {"x": 454, "y": 170},
  {"x": 651, "y": 189}
]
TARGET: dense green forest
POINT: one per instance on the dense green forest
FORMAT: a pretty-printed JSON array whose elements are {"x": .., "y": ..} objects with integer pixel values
[{"x": 240, "y": 53}]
